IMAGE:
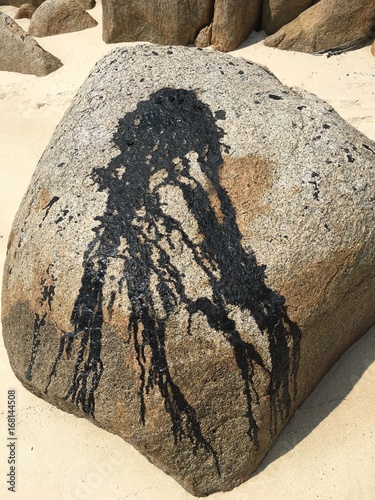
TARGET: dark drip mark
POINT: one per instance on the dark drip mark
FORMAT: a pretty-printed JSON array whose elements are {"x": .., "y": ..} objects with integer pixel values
[
  {"x": 349, "y": 156},
  {"x": 368, "y": 148},
  {"x": 47, "y": 286},
  {"x": 314, "y": 182},
  {"x": 87, "y": 320},
  {"x": 275, "y": 97},
  {"x": 155, "y": 143},
  {"x": 38, "y": 323},
  {"x": 48, "y": 207}
]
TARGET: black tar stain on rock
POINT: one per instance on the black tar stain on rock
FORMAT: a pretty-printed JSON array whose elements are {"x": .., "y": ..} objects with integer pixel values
[
  {"x": 172, "y": 124},
  {"x": 47, "y": 289}
]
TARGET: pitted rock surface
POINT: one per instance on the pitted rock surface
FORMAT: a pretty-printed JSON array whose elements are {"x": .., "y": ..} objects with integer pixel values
[{"x": 194, "y": 251}]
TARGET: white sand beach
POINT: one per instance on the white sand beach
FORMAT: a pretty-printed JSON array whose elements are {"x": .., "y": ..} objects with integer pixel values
[{"x": 328, "y": 449}]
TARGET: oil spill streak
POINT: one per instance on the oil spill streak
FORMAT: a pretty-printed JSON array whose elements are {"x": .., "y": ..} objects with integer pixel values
[
  {"x": 171, "y": 125},
  {"x": 47, "y": 288}
]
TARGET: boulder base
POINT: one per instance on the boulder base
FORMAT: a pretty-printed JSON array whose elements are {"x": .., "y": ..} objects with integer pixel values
[{"x": 194, "y": 252}]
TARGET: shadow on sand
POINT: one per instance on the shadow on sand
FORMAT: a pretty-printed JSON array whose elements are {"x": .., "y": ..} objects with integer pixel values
[{"x": 333, "y": 389}]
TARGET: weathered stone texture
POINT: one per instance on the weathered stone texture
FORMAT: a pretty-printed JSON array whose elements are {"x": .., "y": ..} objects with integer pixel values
[
  {"x": 20, "y": 53},
  {"x": 330, "y": 25},
  {"x": 55, "y": 17},
  {"x": 195, "y": 250},
  {"x": 159, "y": 21},
  {"x": 19, "y": 3},
  {"x": 233, "y": 21},
  {"x": 25, "y": 11},
  {"x": 224, "y": 24},
  {"x": 86, "y": 4}
]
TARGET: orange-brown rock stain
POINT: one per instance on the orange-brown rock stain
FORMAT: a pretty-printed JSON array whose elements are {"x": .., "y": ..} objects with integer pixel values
[
  {"x": 44, "y": 198},
  {"x": 246, "y": 180}
]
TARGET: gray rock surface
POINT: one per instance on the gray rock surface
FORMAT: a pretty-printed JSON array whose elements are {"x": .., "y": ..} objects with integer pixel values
[
  {"x": 277, "y": 13},
  {"x": 55, "y": 17},
  {"x": 194, "y": 252},
  {"x": 329, "y": 26},
  {"x": 20, "y": 53}
]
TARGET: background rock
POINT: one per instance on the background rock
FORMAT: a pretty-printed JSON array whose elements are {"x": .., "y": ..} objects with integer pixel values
[
  {"x": 19, "y": 3},
  {"x": 86, "y": 4},
  {"x": 158, "y": 21},
  {"x": 25, "y": 11},
  {"x": 19, "y": 52},
  {"x": 277, "y": 13},
  {"x": 335, "y": 25},
  {"x": 233, "y": 21},
  {"x": 252, "y": 194},
  {"x": 55, "y": 17}
]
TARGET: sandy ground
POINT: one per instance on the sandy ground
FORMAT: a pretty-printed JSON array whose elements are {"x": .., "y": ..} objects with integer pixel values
[{"x": 328, "y": 449}]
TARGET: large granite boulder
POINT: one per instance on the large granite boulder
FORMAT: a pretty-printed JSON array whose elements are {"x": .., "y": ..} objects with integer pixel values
[
  {"x": 277, "y": 13},
  {"x": 194, "y": 252},
  {"x": 158, "y": 21},
  {"x": 373, "y": 48},
  {"x": 329, "y": 25},
  {"x": 19, "y": 52},
  {"x": 55, "y": 17}
]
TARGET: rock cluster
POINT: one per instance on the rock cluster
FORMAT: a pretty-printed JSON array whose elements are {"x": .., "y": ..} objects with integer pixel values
[
  {"x": 304, "y": 25},
  {"x": 194, "y": 252}
]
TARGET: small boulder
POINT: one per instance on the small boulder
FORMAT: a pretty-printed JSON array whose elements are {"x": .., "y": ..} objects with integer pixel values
[
  {"x": 55, "y": 17},
  {"x": 26, "y": 11},
  {"x": 20, "y": 53},
  {"x": 328, "y": 26},
  {"x": 194, "y": 252},
  {"x": 277, "y": 13}
]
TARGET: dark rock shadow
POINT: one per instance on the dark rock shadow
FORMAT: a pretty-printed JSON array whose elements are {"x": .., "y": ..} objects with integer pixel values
[{"x": 252, "y": 39}]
